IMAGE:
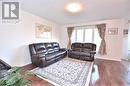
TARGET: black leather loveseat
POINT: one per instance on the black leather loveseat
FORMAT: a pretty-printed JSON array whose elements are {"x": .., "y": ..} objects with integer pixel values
[
  {"x": 44, "y": 54},
  {"x": 4, "y": 67},
  {"x": 82, "y": 51}
]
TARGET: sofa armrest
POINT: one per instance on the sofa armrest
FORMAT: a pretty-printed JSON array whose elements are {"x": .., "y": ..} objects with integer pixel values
[
  {"x": 39, "y": 60},
  {"x": 92, "y": 53},
  {"x": 7, "y": 66},
  {"x": 42, "y": 62}
]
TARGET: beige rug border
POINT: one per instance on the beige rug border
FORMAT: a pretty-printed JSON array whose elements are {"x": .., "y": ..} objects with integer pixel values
[{"x": 87, "y": 81}]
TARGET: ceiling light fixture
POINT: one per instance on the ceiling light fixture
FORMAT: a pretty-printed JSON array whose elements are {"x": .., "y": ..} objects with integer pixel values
[{"x": 74, "y": 7}]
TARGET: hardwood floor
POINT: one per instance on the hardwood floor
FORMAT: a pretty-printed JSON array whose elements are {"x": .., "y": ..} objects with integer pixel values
[
  {"x": 105, "y": 73},
  {"x": 36, "y": 81},
  {"x": 109, "y": 73}
]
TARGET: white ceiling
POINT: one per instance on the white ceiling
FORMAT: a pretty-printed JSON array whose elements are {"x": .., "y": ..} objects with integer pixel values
[{"x": 93, "y": 10}]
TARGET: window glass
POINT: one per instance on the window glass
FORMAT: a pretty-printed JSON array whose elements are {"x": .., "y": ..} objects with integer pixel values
[
  {"x": 73, "y": 37},
  {"x": 88, "y": 35},
  {"x": 80, "y": 34}
]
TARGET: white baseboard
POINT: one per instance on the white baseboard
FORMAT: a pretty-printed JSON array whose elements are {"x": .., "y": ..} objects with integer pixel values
[{"x": 108, "y": 59}]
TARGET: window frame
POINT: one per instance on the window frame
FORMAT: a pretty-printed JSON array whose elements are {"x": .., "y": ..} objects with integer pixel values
[{"x": 93, "y": 35}]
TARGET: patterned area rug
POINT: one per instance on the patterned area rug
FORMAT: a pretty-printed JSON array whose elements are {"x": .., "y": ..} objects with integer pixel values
[{"x": 66, "y": 72}]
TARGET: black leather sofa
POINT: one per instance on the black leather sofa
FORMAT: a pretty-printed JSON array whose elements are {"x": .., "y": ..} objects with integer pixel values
[
  {"x": 4, "y": 67},
  {"x": 44, "y": 54},
  {"x": 82, "y": 51}
]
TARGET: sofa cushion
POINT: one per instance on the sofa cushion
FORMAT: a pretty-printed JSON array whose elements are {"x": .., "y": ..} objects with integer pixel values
[
  {"x": 41, "y": 51},
  {"x": 54, "y": 55},
  {"x": 80, "y": 53},
  {"x": 76, "y": 46},
  {"x": 86, "y": 50},
  {"x": 55, "y": 46},
  {"x": 40, "y": 48},
  {"x": 86, "y": 54},
  {"x": 59, "y": 53},
  {"x": 77, "y": 49},
  {"x": 49, "y": 48},
  {"x": 41, "y": 55},
  {"x": 50, "y": 56},
  {"x": 48, "y": 45},
  {"x": 56, "y": 49},
  {"x": 87, "y": 45}
]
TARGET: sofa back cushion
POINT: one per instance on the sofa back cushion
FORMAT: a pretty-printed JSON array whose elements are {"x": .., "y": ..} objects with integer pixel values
[
  {"x": 76, "y": 46},
  {"x": 49, "y": 48},
  {"x": 44, "y": 48},
  {"x": 56, "y": 46},
  {"x": 89, "y": 46},
  {"x": 83, "y": 47},
  {"x": 40, "y": 48}
]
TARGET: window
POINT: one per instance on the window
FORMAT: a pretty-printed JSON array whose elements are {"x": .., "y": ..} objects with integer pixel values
[
  {"x": 86, "y": 34},
  {"x": 80, "y": 35}
]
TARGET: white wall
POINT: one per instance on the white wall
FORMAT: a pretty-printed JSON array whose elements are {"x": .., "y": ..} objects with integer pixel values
[
  {"x": 126, "y": 42},
  {"x": 14, "y": 38},
  {"x": 128, "y": 16},
  {"x": 129, "y": 41},
  {"x": 114, "y": 42}
]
